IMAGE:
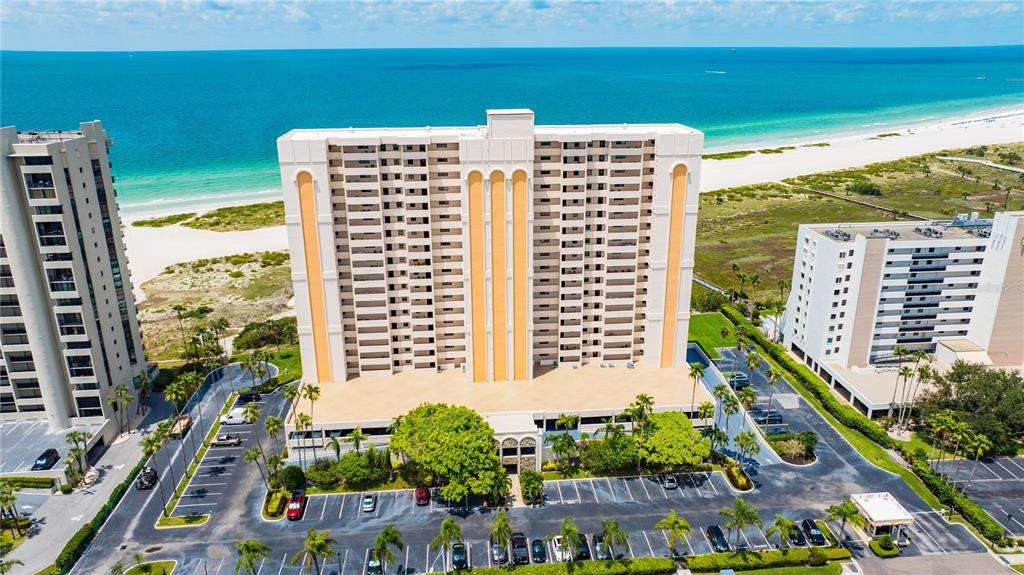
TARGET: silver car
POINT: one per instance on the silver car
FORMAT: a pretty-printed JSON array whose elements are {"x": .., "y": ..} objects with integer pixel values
[{"x": 369, "y": 503}]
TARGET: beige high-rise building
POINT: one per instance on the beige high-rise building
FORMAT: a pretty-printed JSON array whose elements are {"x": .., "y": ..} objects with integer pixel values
[
  {"x": 503, "y": 249},
  {"x": 69, "y": 334}
]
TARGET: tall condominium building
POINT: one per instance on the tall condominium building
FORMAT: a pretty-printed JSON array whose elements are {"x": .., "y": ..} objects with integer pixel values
[
  {"x": 952, "y": 288},
  {"x": 68, "y": 328},
  {"x": 502, "y": 249}
]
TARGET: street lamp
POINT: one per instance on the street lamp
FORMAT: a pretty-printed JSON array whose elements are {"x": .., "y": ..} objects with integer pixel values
[
  {"x": 204, "y": 568},
  {"x": 338, "y": 553}
]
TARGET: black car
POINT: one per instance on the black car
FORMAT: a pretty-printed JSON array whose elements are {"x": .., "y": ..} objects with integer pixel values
[
  {"x": 797, "y": 539},
  {"x": 460, "y": 559},
  {"x": 147, "y": 478},
  {"x": 520, "y": 550},
  {"x": 813, "y": 533},
  {"x": 767, "y": 417},
  {"x": 373, "y": 566},
  {"x": 717, "y": 538},
  {"x": 602, "y": 550},
  {"x": 778, "y": 431},
  {"x": 583, "y": 549},
  {"x": 46, "y": 460},
  {"x": 248, "y": 396},
  {"x": 539, "y": 551},
  {"x": 739, "y": 381}
]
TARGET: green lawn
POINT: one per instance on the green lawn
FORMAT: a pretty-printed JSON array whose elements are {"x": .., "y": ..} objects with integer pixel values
[
  {"x": 190, "y": 521},
  {"x": 288, "y": 361},
  {"x": 1017, "y": 568},
  {"x": 705, "y": 329},
  {"x": 152, "y": 568},
  {"x": 237, "y": 218},
  {"x": 398, "y": 483}
]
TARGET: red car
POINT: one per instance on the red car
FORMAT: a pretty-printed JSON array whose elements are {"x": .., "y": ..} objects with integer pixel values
[
  {"x": 296, "y": 505},
  {"x": 422, "y": 495}
]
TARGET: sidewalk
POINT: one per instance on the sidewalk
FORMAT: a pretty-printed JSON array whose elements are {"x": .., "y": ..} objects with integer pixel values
[{"x": 61, "y": 516}]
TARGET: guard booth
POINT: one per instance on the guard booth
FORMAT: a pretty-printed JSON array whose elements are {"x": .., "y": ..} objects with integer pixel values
[{"x": 884, "y": 515}]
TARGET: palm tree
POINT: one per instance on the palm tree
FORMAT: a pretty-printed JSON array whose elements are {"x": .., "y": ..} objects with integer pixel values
[
  {"x": 117, "y": 569},
  {"x": 900, "y": 352},
  {"x": 249, "y": 551},
  {"x": 747, "y": 398},
  {"x": 312, "y": 393},
  {"x": 388, "y": 537},
  {"x": 783, "y": 285},
  {"x": 720, "y": 392},
  {"x": 697, "y": 373},
  {"x": 145, "y": 389},
  {"x": 449, "y": 533},
  {"x": 919, "y": 355},
  {"x": 9, "y": 505},
  {"x": 978, "y": 448},
  {"x": 220, "y": 328},
  {"x": 253, "y": 455},
  {"x": 924, "y": 374},
  {"x": 302, "y": 423},
  {"x": 502, "y": 530},
  {"x": 730, "y": 407},
  {"x": 274, "y": 464},
  {"x": 746, "y": 443},
  {"x": 716, "y": 436},
  {"x": 571, "y": 537},
  {"x": 753, "y": 362},
  {"x": 774, "y": 380},
  {"x": 138, "y": 558},
  {"x": 179, "y": 308},
  {"x": 785, "y": 528},
  {"x": 335, "y": 446},
  {"x": 845, "y": 512},
  {"x": 356, "y": 437},
  {"x": 614, "y": 535},
  {"x": 563, "y": 445},
  {"x": 706, "y": 410},
  {"x": 273, "y": 425},
  {"x": 677, "y": 528},
  {"x": 79, "y": 439},
  {"x": 740, "y": 515},
  {"x": 7, "y": 564},
  {"x": 290, "y": 393},
  {"x": 317, "y": 544},
  {"x": 151, "y": 444}
]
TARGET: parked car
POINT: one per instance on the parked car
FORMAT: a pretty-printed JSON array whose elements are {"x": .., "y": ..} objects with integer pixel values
[
  {"x": 147, "y": 478},
  {"x": 797, "y": 539},
  {"x": 778, "y": 431},
  {"x": 717, "y": 539},
  {"x": 767, "y": 417},
  {"x": 369, "y": 503},
  {"x": 181, "y": 426},
  {"x": 46, "y": 460},
  {"x": 226, "y": 440},
  {"x": 602, "y": 550},
  {"x": 422, "y": 495},
  {"x": 499, "y": 554},
  {"x": 739, "y": 380},
  {"x": 561, "y": 554},
  {"x": 234, "y": 417},
  {"x": 813, "y": 533},
  {"x": 520, "y": 549},
  {"x": 296, "y": 505},
  {"x": 248, "y": 396},
  {"x": 373, "y": 567},
  {"x": 583, "y": 549},
  {"x": 460, "y": 559},
  {"x": 668, "y": 481},
  {"x": 539, "y": 551}
]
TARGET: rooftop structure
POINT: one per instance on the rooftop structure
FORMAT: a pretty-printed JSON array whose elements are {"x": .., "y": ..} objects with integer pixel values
[{"x": 883, "y": 513}]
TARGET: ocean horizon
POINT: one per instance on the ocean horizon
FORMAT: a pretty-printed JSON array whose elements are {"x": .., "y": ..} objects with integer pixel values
[{"x": 200, "y": 127}]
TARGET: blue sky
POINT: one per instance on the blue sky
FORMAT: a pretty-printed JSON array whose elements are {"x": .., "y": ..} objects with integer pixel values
[{"x": 274, "y": 24}]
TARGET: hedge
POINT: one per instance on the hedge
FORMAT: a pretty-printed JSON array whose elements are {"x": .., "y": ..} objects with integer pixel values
[
  {"x": 800, "y": 374},
  {"x": 876, "y": 548},
  {"x": 29, "y": 482},
  {"x": 850, "y": 417},
  {"x": 794, "y": 557},
  {"x": 638, "y": 566}
]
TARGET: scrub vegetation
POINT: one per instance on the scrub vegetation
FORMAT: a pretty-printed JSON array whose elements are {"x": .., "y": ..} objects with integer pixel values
[
  {"x": 164, "y": 221},
  {"x": 240, "y": 218}
]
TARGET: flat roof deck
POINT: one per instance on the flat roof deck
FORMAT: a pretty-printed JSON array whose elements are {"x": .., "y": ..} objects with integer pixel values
[
  {"x": 590, "y": 389},
  {"x": 873, "y": 385},
  {"x": 882, "y": 509}
]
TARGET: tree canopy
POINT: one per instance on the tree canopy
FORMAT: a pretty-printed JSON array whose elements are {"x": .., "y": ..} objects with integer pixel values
[
  {"x": 452, "y": 443},
  {"x": 673, "y": 441}
]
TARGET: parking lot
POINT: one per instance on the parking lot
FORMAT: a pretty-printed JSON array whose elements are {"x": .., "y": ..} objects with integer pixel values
[
  {"x": 24, "y": 441},
  {"x": 691, "y": 486},
  {"x": 998, "y": 486}
]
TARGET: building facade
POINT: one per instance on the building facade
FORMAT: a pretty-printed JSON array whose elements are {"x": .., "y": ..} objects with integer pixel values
[
  {"x": 69, "y": 333},
  {"x": 502, "y": 249},
  {"x": 954, "y": 289}
]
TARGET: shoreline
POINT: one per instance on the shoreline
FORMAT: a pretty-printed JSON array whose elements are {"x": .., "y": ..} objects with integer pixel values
[
  {"x": 201, "y": 204},
  {"x": 148, "y": 247}
]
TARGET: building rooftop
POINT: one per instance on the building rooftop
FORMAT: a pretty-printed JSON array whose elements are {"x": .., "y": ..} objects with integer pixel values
[
  {"x": 915, "y": 231},
  {"x": 588, "y": 390},
  {"x": 882, "y": 509},
  {"x": 873, "y": 384},
  {"x": 47, "y": 137}
]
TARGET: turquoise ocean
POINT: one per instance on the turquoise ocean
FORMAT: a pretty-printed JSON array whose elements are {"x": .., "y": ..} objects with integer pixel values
[{"x": 192, "y": 127}]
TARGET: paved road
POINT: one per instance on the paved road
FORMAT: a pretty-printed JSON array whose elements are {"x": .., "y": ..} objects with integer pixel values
[
  {"x": 637, "y": 502},
  {"x": 997, "y": 484}
]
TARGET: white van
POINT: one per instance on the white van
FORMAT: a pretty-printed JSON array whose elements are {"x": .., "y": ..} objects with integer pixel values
[{"x": 234, "y": 417}]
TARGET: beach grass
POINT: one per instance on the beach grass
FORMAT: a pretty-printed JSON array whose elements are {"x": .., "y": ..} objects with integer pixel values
[
  {"x": 755, "y": 227},
  {"x": 240, "y": 218},
  {"x": 164, "y": 221}
]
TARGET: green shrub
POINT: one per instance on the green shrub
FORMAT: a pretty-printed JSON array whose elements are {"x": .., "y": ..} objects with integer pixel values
[
  {"x": 864, "y": 188},
  {"x": 612, "y": 454},
  {"x": 878, "y": 547},
  {"x": 708, "y": 301},
  {"x": 236, "y": 274},
  {"x": 163, "y": 221},
  {"x": 324, "y": 474},
  {"x": 638, "y": 566},
  {"x": 364, "y": 468},
  {"x": 275, "y": 502},
  {"x": 737, "y": 477},
  {"x": 66, "y": 489},
  {"x": 28, "y": 482},
  {"x": 293, "y": 478},
  {"x": 795, "y": 557},
  {"x": 263, "y": 333},
  {"x": 948, "y": 495}
]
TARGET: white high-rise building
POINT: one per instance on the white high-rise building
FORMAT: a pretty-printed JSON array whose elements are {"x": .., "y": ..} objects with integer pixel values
[
  {"x": 952, "y": 288},
  {"x": 503, "y": 249},
  {"x": 69, "y": 333}
]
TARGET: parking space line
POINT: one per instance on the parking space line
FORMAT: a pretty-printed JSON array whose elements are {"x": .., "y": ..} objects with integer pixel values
[
  {"x": 594, "y": 489},
  {"x": 344, "y": 562},
  {"x": 688, "y": 546},
  {"x": 1013, "y": 460},
  {"x": 628, "y": 490},
  {"x": 281, "y": 568},
  {"x": 711, "y": 481},
  {"x": 928, "y": 535},
  {"x": 558, "y": 485},
  {"x": 710, "y": 546},
  {"x": 366, "y": 558},
  {"x": 745, "y": 540},
  {"x": 217, "y": 464},
  {"x": 201, "y": 494},
  {"x": 614, "y": 497},
  {"x": 205, "y": 484},
  {"x": 1012, "y": 518},
  {"x": 195, "y": 504},
  {"x": 324, "y": 509},
  {"x": 693, "y": 482},
  {"x": 1004, "y": 467},
  {"x": 663, "y": 492},
  {"x": 575, "y": 485},
  {"x": 766, "y": 542},
  {"x": 644, "y": 485},
  {"x": 260, "y": 570},
  {"x": 651, "y": 549}
]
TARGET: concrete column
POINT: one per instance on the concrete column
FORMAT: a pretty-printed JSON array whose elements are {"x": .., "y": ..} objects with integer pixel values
[{"x": 33, "y": 291}]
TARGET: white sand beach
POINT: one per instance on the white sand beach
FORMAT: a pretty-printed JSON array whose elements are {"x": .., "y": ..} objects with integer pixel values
[{"x": 150, "y": 250}]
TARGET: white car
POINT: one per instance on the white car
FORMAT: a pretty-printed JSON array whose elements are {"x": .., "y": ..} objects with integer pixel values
[
  {"x": 234, "y": 417},
  {"x": 369, "y": 503},
  {"x": 560, "y": 554}
]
